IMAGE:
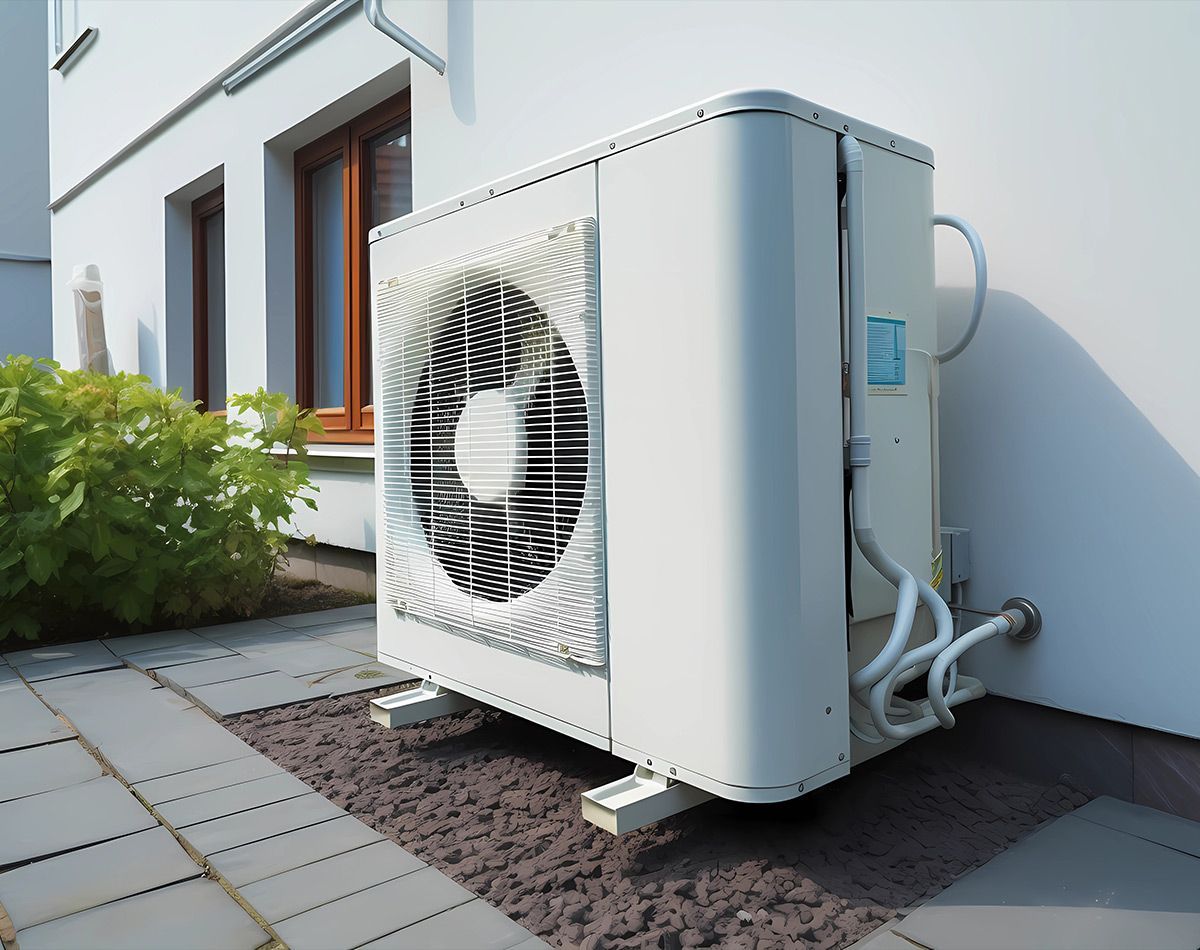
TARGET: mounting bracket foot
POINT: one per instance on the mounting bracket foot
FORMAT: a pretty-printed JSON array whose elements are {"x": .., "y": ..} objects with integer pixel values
[
  {"x": 427, "y": 701},
  {"x": 640, "y": 799}
]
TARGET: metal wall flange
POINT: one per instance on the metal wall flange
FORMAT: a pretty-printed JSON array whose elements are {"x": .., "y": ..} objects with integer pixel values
[{"x": 1033, "y": 617}]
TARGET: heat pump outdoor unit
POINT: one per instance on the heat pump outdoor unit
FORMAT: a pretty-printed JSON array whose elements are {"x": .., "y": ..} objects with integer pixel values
[{"x": 625, "y": 408}]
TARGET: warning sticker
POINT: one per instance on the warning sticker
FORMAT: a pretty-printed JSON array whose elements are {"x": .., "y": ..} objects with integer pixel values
[{"x": 885, "y": 351}]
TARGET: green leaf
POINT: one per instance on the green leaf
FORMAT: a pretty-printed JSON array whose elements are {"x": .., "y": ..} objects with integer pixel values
[
  {"x": 39, "y": 563},
  {"x": 71, "y": 503}
]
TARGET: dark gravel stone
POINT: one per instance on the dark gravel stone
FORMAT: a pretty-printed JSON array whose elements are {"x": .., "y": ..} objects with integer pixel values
[{"x": 493, "y": 802}]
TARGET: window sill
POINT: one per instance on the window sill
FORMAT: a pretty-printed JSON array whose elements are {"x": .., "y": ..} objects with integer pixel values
[{"x": 345, "y": 450}]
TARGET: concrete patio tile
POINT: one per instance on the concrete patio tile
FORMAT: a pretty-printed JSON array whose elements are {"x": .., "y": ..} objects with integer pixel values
[
  {"x": 180, "y": 741},
  {"x": 206, "y": 779},
  {"x": 220, "y": 670},
  {"x": 9, "y": 676},
  {"x": 268, "y": 644},
  {"x": 95, "y": 875},
  {"x": 224, "y": 632},
  {"x": 44, "y": 768},
  {"x": 122, "y": 646},
  {"x": 319, "y": 658},
  {"x": 192, "y": 914},
  {"x": 359, "y": 678},
  {"x": 196, "y": 649},
  {"x": 365, "y": 640},
  {"x": 1071, "y": 884},
  {"x": 303, "y": 888},
  {"x": 476, "y": 925},
  {"x": 67, "y": 818},
  {"x": 25, "y": 721},
  {"x": 246, "y": 827},
  {"x": 253, "y": 862},
  {"x": 1149, "y": 823},
  {"x": 326, "y": 630},
  {"x": 206, "y": 806},
  {"x": 321, "y": 617},
  {"x": 535, "y": 943},
  {"x": 86, "y": 649},
  {"x": 255, "y": 692},
  {"x": 88, "y": 657},
  {"x": 376, "y": 912}
]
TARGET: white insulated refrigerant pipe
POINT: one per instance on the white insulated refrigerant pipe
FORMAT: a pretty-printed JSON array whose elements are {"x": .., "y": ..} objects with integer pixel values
[{"x": 874, "y": 684}]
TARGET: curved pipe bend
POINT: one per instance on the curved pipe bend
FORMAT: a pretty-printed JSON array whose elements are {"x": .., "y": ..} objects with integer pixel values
[{"x": 980, "y": 258}]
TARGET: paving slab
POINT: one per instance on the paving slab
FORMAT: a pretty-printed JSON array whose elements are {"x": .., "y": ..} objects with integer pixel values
[
  {"x": 253, "y": 862},
  {"x": 9, "y": 676},
  {"x": 219, "y": 670},
  {"x": 373, "y": 913},
  {"x": 55, "y": 887},
  {"x": 218, "y": 631},
  {"x": 250, "y": 630},
  {"x": 194, "y": 914},
  {"x": 206, "y": 779},
  {"x": 25, "y": 721},
  {"x": 268, "y": 644},
  {"x": 294, "y": 892},
  {"x": 86, "y": 649},
  {"x": 358, "y": 625},
  {"x": 68, "y": 818},
  {"x": 246, "y": 827},
  {"x": 476, "y": 925},
  {"x": 197, "y": 649},
  {"x": 316, "y": 618},
  {"x": 318, "y": 658},
  {"x": 359, "y": 678},
  {"x": 186, "y": 740},
  {"x": 365, "y": 640},
  {"x": 1071, "y": 884},
  {"x": 184, "y": 812},
  {"x": 44, "y": 768},
  {"x": 122, "y": 646},
  {"x": 1149, "y": 823},
  {"x": 264, "y": 691},
  {"x": 87, "y": 657}
]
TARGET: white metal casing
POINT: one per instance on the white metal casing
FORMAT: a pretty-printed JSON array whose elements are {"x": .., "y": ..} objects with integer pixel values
[{"x": 719, "y": 316}]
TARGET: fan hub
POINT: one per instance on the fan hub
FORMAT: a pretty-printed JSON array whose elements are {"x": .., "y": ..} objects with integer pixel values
[{"x": 491, "y": 448}]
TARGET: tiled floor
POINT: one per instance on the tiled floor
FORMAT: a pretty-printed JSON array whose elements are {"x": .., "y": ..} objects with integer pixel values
[
  {"x": 1108, "y": 876},
  {"x": 87, "y": 854}
]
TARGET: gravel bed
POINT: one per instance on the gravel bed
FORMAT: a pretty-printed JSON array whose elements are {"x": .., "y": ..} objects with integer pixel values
[{"x": 493, "y": 801}]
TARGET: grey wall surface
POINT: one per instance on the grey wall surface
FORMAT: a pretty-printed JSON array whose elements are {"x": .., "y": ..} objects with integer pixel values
[
  {"x": 25, "y": 325},
  {"x": 25, "y": 317}
]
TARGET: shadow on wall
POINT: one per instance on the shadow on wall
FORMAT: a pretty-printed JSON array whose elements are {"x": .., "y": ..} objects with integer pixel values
[
  {"x": 460, "y": 59},
  {"x": 1076, "y": 501}
]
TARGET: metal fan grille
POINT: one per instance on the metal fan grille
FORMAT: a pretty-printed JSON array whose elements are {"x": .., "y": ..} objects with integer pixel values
[{"x": 523, "y": 565}]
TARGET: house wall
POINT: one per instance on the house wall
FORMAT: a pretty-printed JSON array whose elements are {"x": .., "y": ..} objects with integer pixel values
[
  {"x": 1068, "y": 435},
  {"x": 24, "y": 183}
]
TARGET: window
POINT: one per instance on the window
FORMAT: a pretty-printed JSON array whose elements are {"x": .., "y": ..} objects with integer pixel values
[
  {"x": 208, "y": 300},
  {"x": 347, "y": 182}
]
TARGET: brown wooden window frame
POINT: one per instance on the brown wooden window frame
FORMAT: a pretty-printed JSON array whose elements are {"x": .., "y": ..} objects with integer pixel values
[
  {"x": 354, "y": 420},
  {"x": 203, "y": 208}
]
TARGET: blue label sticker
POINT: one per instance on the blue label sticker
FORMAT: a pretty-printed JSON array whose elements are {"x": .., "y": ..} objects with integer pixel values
[{"x": 885, "y": 351}]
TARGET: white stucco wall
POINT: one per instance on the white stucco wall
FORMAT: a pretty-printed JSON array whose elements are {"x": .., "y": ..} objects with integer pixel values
[
  {"x": 24, "y": 182},
  {"x": 1061, "y": 130}
]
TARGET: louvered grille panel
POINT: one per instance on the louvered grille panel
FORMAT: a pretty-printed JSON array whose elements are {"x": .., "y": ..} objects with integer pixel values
[{"x": 491, "y": 444}]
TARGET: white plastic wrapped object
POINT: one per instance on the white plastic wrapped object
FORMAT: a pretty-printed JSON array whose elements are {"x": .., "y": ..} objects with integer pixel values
[{"x": 88, "y": 292}]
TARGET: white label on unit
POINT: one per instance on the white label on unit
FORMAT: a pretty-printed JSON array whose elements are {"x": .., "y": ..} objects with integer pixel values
[{"x": 886, "y": 348}]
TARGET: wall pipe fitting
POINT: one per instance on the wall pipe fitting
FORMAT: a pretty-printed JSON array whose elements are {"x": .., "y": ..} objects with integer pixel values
[{"x": 378, "y": 19}]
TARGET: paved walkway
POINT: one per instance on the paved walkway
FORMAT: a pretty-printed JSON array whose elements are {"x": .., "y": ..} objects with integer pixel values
[
  {"x": 129, "y": 818},
  {"x": 1108, "y": 876}
]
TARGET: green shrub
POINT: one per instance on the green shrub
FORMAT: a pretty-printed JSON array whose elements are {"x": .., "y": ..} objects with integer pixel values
[{"x": 120, "y": 500}]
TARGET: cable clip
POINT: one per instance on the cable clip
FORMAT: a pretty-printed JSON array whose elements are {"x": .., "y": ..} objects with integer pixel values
[{"x": 860, "y": 451}]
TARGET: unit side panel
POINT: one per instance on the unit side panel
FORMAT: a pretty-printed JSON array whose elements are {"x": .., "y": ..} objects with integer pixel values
[
  {"x": 722, "y": 415},
  {"x": 898, "y": 209},
  {"x": 559, "y": 691}
]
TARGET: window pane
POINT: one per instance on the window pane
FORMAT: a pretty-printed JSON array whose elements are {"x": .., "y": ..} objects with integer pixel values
[
  {"x": 390, "y": 169},
  {"x": 390, "y": 156},
  {"x": 214, "y": 256},
  {"x": 328, "y": 275}
]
